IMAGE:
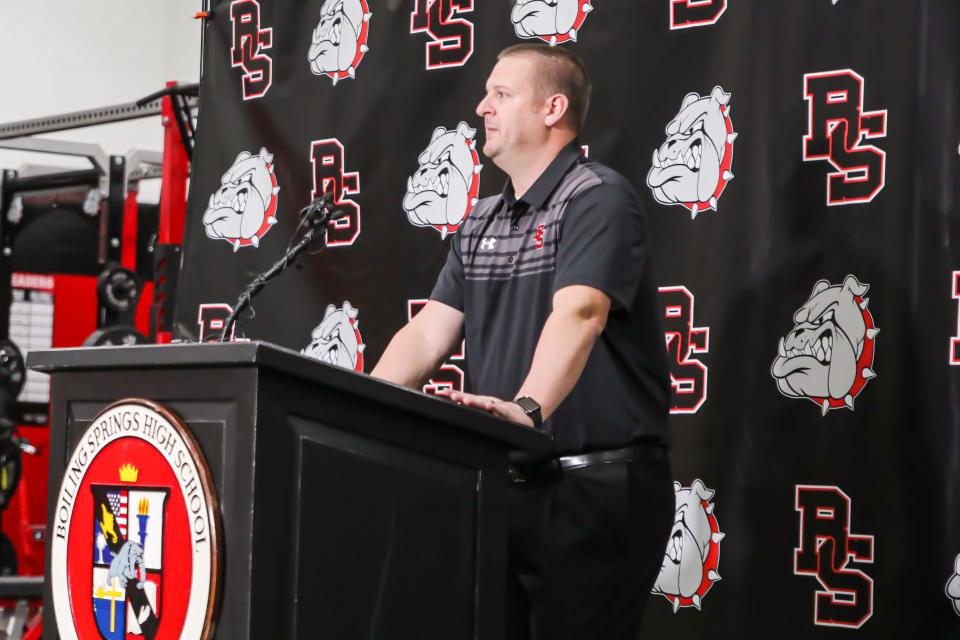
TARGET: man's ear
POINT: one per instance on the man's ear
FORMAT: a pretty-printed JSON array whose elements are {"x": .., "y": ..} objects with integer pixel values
[{"x": 557, "y": 106}]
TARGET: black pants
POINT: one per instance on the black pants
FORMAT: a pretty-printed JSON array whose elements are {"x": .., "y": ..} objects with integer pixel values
[{"x": 586, "y": 549}]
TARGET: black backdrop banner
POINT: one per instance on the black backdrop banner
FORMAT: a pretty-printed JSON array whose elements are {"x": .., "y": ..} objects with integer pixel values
[{"x": 799, "y": 164}]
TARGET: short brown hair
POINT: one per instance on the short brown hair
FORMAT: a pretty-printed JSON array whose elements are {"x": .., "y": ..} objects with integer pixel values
[{"x": 559, "y": 70}]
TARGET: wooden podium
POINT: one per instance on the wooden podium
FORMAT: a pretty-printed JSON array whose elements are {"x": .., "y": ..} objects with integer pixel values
[{"x": 350, "y": 508}]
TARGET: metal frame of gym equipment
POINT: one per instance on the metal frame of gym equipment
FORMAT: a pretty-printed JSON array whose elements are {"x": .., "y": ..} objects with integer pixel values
[{"x": 113, "y": 175}]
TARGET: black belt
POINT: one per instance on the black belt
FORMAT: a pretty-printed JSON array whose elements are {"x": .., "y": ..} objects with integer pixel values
[{"x": 550, "y": 469}]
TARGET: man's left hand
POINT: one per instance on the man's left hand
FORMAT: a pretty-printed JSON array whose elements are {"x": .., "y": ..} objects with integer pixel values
[{"x": 501, "y": 408}]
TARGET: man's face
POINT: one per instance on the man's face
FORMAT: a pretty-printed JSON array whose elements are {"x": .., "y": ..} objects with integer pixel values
[{"x": 513, "y": 112}]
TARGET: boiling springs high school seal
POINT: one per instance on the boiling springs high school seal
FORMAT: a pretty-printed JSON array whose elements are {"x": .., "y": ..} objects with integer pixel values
[{"x": 134, "y": 531}]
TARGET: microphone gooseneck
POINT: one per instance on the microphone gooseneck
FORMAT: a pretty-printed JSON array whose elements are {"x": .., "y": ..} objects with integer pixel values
[{"x": 315, "y": 216}]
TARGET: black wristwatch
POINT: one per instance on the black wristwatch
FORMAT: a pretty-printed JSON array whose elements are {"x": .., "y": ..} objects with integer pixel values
[{"x": 532, "y": 409}]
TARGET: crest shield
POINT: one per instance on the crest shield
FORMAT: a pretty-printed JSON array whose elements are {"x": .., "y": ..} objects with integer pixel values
[{"x": 127, "y": 559}]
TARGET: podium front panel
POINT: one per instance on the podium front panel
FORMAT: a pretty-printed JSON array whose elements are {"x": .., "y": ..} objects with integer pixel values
[
  {"x": 385, "y": 538},
  {"x": 212, "y": 411}
]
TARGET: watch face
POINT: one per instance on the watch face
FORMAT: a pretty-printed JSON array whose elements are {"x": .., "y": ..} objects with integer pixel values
[{"x": 527, "y": 404}]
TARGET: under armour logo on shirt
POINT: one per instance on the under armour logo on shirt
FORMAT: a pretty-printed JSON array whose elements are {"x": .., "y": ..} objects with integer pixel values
[{"x": 488, "y": 244}]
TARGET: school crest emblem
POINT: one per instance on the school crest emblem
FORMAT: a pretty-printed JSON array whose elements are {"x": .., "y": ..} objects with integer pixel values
[{"x": 135, "y": 531}]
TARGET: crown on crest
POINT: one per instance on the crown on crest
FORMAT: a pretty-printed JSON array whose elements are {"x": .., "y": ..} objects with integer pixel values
[{"x": 128, "y": 473}]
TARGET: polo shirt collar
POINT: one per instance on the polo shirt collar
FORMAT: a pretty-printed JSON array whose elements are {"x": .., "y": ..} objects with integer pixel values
[{"x": 541, "y": 189}]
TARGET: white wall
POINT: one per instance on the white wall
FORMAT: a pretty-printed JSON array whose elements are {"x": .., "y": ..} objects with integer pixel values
[{"x": 69, "y": 55}]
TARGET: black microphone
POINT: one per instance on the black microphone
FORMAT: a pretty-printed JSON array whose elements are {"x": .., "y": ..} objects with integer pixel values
[
  {"x": 315, "y": 215},
  {"x": 334, "y": 215},
  {"x": 319, "y": 205}
]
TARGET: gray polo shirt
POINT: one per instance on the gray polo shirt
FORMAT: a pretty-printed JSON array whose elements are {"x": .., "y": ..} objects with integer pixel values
[{"x": 580, "y": 223}]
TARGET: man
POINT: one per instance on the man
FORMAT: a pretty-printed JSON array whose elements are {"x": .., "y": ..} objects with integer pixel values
[{"x": 551, "y": 285}]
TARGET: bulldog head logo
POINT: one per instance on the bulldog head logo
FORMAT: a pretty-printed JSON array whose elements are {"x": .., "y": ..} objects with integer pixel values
[
  {"x": 552, "y": 21},
  {"x": 692, "y": 166},
  {"x": 244, "y": 208},
  {"x": 953, "y": 586},
  {"x": 339, "y": 39},
  {"x": 828, "y": 355},
  {"x": 442, "y": 192},
  {"x": 336, "y": 340},
  {"x": 690, "y": 564}
]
